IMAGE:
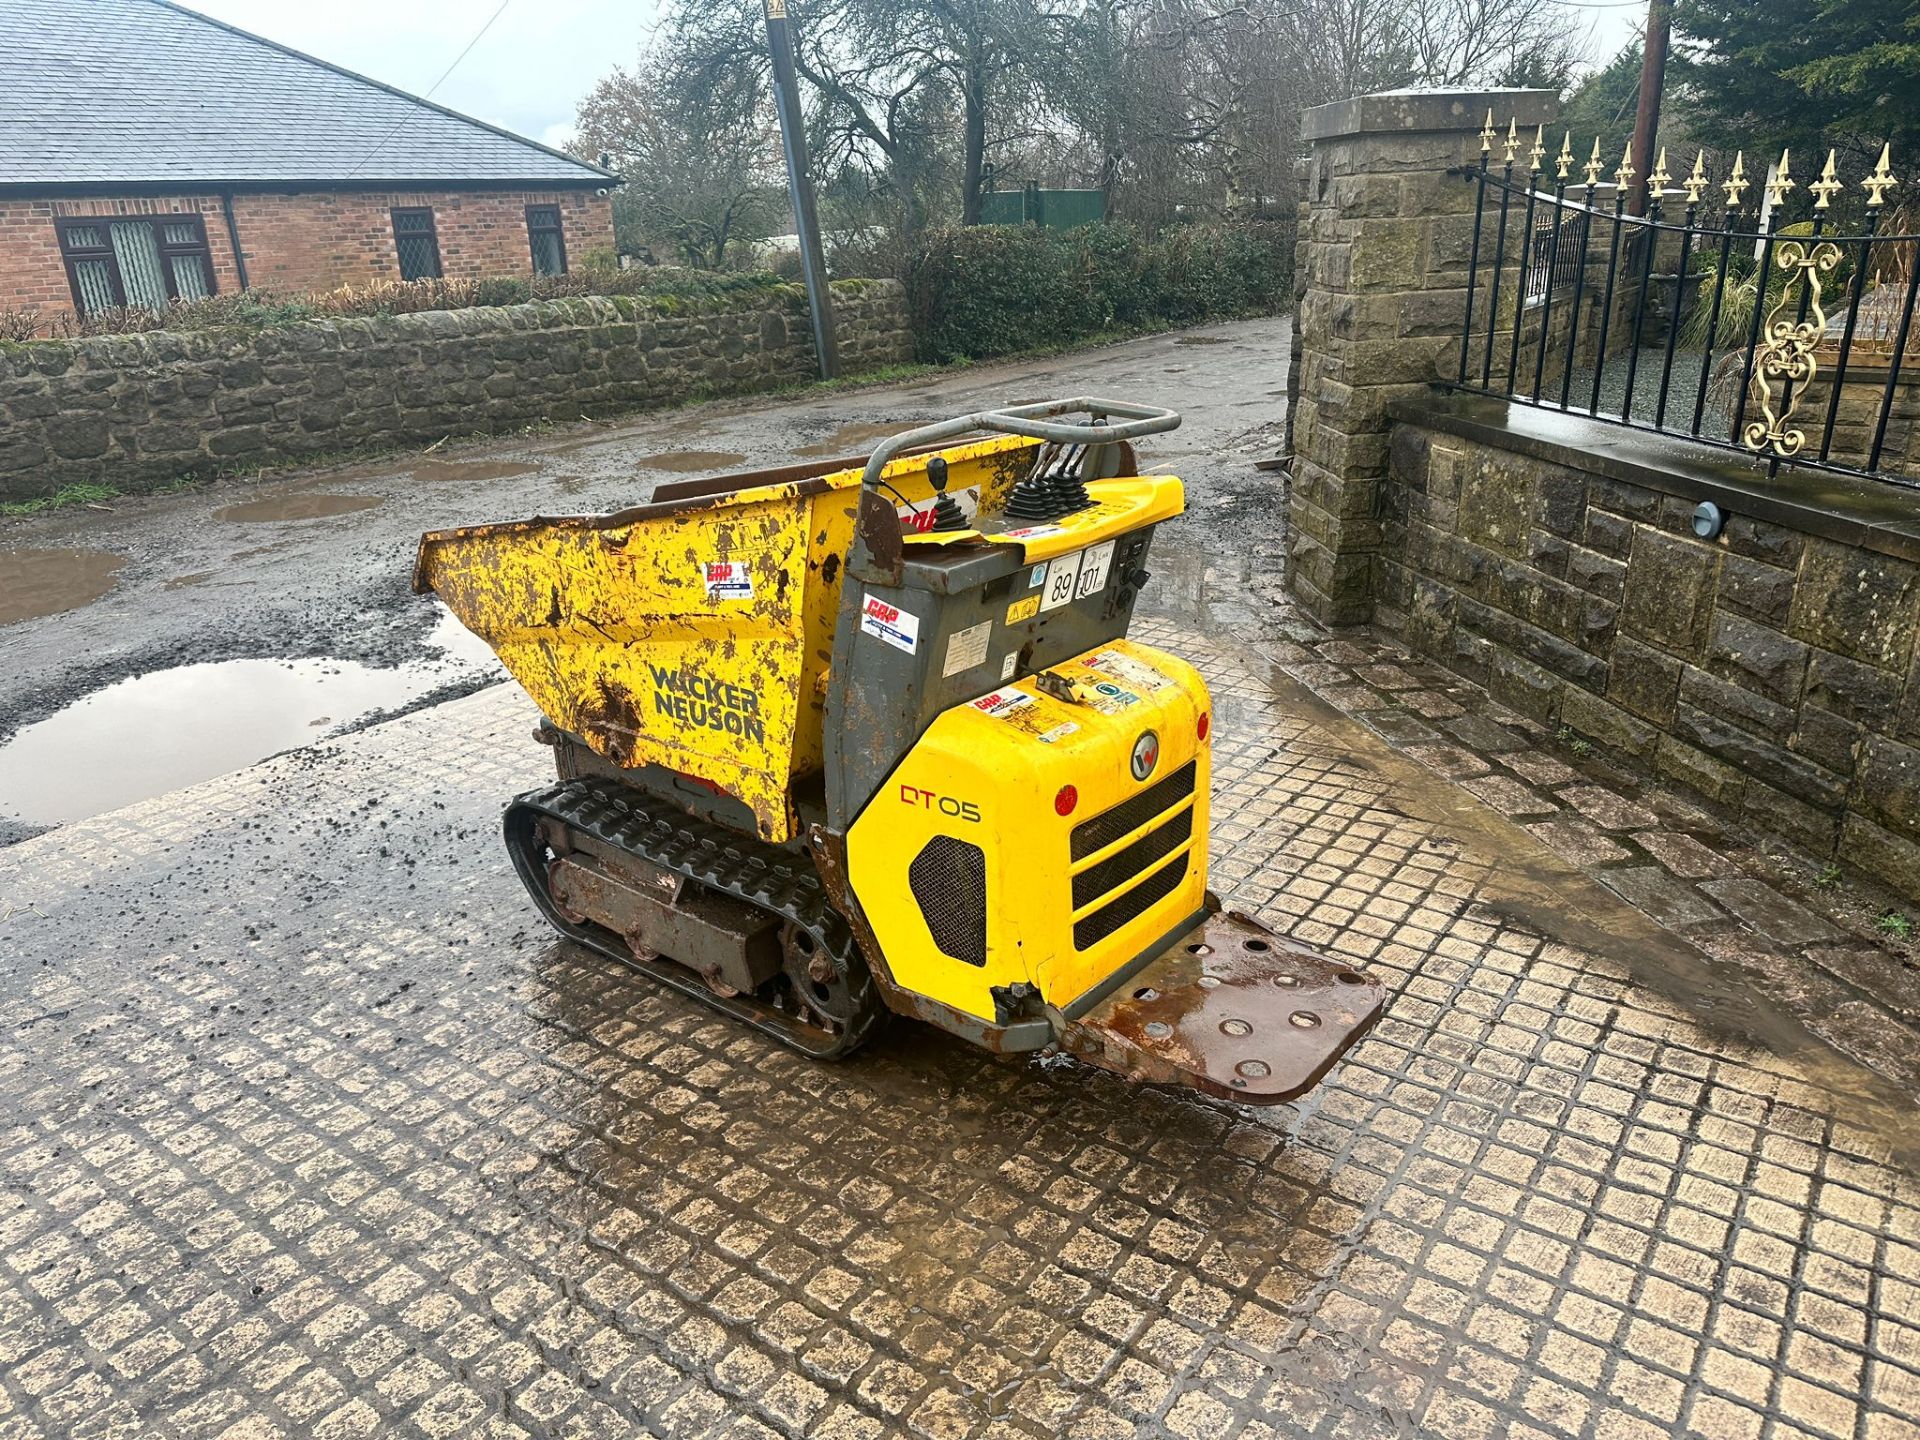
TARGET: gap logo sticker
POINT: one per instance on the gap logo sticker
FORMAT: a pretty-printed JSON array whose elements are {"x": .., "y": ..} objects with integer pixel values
[
  {"x": 1004, "y": 701},
  {"x": 728, "y": 580},
  {"x": 889, "y": 623}
]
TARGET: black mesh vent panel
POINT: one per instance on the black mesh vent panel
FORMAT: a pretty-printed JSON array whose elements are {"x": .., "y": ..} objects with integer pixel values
[
  {"x": 949, "y": 883},
  {"x": 1136, "y": 902},
  {"x": 1110, "y": 825},
  {"x": 1149, "y": 850}
]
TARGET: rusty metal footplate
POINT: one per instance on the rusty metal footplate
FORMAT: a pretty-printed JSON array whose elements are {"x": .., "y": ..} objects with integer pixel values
[{"x": 1232, "y": 1009}]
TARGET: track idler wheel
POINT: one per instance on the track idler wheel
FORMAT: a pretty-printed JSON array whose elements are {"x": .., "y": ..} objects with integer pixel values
[{"x": 831, "y": 993}]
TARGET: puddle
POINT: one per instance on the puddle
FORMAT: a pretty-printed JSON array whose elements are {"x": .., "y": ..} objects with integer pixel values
[
  {"x": 158, "y": 732},
  {"x": 472, "y": 469},
  {"x": 294, "y": 507},
  {"x": 46, "y": 582},
  {"x": 852, "y": 438},
  {"x": 688, "y": 461}
]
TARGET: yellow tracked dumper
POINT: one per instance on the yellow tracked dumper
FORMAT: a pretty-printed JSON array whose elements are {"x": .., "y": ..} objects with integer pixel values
[{"x": 868, "y": 736}]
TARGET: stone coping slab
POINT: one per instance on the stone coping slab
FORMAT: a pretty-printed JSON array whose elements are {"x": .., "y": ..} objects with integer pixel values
[
  {"x": 1396, "y": 111},
  {"x": 1874, "y": 515}
]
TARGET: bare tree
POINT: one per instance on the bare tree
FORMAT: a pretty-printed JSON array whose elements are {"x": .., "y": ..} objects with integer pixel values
[
  {"x": 1462, "y": 42},
  {"x": 700, "y": 164}
]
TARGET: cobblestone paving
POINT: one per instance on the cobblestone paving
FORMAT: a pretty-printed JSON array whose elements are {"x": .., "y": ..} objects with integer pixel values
[{"x": 309, "y": 1130}]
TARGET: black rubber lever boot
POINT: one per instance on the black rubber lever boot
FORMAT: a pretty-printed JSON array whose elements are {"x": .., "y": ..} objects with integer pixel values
[{"x": 947, "y": 514}]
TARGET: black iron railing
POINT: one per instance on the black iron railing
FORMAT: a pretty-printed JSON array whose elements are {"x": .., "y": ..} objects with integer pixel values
[{"x": 1746, "y": 320}]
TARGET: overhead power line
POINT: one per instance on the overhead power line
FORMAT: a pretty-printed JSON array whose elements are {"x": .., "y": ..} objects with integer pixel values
[{"x": 401, "y": 124}]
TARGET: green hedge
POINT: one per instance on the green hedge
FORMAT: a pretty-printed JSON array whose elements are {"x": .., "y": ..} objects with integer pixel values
[
  {"x": 267, "y": 309},
  {"x": 992, "y": 289}
]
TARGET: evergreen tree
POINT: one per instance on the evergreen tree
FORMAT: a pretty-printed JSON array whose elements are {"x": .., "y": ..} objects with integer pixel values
[{"x": 1805, "y": 73}]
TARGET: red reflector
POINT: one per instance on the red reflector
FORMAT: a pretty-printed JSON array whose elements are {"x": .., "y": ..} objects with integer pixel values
[
  {"x": 1064, "y": 802},
  {"x": 1206, "y": 724}
]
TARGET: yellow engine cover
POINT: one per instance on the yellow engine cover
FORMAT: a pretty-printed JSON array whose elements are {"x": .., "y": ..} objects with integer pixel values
[{"x": 1068, "y": 899}]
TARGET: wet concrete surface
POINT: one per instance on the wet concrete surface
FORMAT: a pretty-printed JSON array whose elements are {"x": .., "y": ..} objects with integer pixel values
[
  {"x": 307, "y": 1127},
  {"x": 336, "y": 1141}
]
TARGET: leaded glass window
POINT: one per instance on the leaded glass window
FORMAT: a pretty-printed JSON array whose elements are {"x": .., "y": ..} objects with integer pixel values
[
  {"x": 547, "y": 239},
  {"x": 417, "y": 245},
  {"x": 138, "y": 261}
]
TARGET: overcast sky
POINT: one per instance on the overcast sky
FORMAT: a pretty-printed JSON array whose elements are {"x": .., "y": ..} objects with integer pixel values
[{"x": 541, "y": 56}]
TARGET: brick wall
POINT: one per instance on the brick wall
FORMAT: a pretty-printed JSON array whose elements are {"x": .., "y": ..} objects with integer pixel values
[
  {"x": 1772, "y": 669},
  {"x": 309, "y": 241},
  {"x": 136, "y": 411}
]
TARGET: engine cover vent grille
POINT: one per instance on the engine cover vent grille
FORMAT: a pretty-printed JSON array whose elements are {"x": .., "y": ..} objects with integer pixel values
[
  {"x": 1109, "y": 825},
  {"x": 1094, "y": 928},
  {"x": 949, "y": 883}
]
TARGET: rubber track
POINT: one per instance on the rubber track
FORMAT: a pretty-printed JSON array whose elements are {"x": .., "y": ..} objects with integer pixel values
[{"x": 722, "y": 861}]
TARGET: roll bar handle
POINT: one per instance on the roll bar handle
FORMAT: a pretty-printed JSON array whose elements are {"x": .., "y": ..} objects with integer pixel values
[{"x": 1035, "y": 422}]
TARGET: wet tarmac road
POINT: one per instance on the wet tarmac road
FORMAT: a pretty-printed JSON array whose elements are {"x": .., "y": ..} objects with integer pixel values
[{"x": 315, "y": 565}]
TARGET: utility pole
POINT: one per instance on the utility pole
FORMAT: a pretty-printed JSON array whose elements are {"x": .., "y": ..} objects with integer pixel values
[
  {"x": 1653, "y": 80},
  {"x": 793, "y": 144}
]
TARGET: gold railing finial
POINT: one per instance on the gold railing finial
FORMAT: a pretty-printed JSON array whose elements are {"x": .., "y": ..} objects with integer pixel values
[
  {"x": 1539, "y": 151},
  {"x": 1487, "y": 134},
  {"x": 1780, "y": 182},
  {"x": 1623, "y": 177},
  {"x": 1512, "y": 143},
  {"x": 1657, "y": 182},
  {"x": 1594, "y": 165},
  {"x": 1881, "y": 180},
  {"x": 1736, "y": 182},
  {"x": 1696, "y": 184},
  {"x": 1563, "y": 162},
  {"x": 1826, "y": 187}
]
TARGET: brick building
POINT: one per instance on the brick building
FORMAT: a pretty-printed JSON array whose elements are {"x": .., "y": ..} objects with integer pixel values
[{"x": 149, "y": 153}]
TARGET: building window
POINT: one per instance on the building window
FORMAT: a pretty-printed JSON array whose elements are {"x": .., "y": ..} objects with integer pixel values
[
  {"x": 139, "y": 263},
  {"x": 549, "y": 243},
  {"x": 418, "y": 246}
]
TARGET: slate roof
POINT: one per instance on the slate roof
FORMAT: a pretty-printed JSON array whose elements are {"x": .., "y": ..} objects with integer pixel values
[{"x": 99, "y": 93}]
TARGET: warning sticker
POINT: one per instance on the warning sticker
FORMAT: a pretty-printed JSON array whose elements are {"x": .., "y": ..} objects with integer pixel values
[
  {"x": 728, "y": 580},
  {"x": 1127, "y": 671},
  {"x": 967, "y": 648},
  {"x": 897, "y": 627},
  {"x": 1003, "y": 701},
  {"x": 918, "y": 518},
  {"x": 1025, "y": 608},
  {"x": 1059, "y": 732},
  {"x": 1062, "y": 575},
  {"x": 1095, "y": 561}
]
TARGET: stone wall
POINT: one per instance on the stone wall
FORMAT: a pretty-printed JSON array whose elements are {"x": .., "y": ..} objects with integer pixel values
[
  {"x": 138, "y": 411},
  {"x": 1771, "y": 669}
]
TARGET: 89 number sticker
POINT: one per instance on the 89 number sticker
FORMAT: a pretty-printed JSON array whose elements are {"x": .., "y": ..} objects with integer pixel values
[{"x": 1062, "y": 575}]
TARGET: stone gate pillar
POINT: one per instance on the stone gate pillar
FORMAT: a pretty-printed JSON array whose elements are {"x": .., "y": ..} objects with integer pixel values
[{"x": 1386, "y": 234}]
